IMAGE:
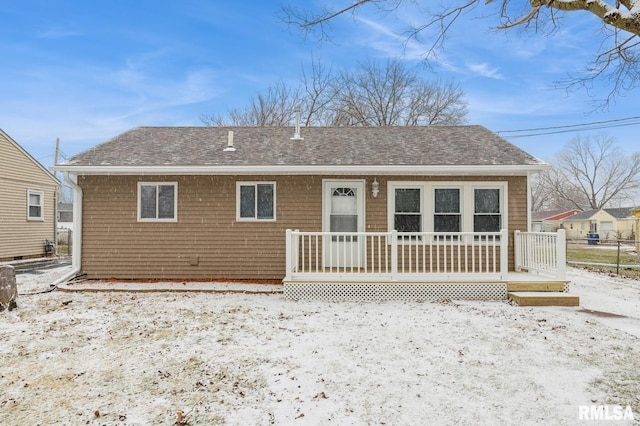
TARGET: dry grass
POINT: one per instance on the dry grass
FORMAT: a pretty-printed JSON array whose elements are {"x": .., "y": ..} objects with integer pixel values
[{"x": 605, "y": 257}]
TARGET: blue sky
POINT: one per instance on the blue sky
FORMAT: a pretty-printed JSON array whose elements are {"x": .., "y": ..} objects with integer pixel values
[{"x": 85, "y": 71}]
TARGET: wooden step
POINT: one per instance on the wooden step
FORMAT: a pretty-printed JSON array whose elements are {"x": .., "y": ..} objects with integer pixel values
[
  {"x": 543, "y": 298},
  {"x": 535, "y": 286}
]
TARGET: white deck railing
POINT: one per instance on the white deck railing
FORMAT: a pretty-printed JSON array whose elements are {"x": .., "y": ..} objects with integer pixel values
[
  {"x": 384, "y": 256},
  {"x": 541, "y": 252}
]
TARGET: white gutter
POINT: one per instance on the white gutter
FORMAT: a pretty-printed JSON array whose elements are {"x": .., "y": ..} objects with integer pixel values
[
  {"x": 308, "y": 169},
  {"x": 76, "y": 244}
]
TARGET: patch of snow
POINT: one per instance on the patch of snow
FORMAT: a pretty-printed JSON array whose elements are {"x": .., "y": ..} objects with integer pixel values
[{"x": 240, "y": 358}]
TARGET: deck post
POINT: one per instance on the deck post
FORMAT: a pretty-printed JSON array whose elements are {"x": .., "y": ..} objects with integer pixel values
[
  {"x": 504, "y": 253},
  {"x": 561, "y": 254},
  {"x": 288, "y": 254},
  {"x": 394, "y": 255},
  {"x": 517, "y": 251}
]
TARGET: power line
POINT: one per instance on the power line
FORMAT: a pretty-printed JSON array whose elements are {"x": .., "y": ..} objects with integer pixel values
[
  {"x": 571, "y": 130},
  {"x": 594, "y": 125}
]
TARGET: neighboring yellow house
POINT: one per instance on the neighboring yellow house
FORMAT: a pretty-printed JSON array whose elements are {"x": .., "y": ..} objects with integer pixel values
[
  {"x": 636, "y": 217},
  {"x": 607, "y": 223},
  {"x": 27, "y": 203}
]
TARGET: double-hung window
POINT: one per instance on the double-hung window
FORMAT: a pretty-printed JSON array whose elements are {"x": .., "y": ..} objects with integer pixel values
[
  {"x": 407, "y": 215},
  {"x": 157, "y": 201},
  {"x": 487, "y": 214},
  {"x": 35, "y": 201},
  {"x": 256, "y": 201},
  {"x": 447, "y": 215}
]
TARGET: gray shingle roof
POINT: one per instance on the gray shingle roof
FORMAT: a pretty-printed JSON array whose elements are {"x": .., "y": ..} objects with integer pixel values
[
  {"x": 272, "y": 146},
  {"x": 618, "y": 213}
]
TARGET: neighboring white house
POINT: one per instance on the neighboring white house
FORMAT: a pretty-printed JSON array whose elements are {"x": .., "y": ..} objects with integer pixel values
[
  {"x": 65, "y": 215},
  {"x": 64, "y": 222}
]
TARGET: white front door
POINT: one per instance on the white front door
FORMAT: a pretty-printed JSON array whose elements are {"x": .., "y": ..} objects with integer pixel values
[{"x": 343, "y": 207}]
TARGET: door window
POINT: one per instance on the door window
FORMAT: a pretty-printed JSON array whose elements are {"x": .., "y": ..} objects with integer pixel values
[{"x": 344, "y": 212}]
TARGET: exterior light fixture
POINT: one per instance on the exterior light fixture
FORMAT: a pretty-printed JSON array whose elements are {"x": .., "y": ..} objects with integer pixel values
[{"x": 375, "y": 188}]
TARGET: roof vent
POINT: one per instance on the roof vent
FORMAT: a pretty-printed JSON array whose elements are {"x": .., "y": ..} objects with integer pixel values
[
  {"x": 230, "y": 147},
  {"x": 296, "y": 135}
]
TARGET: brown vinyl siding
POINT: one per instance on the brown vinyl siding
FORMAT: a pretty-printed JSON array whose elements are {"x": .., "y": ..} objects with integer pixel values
[
  {"x": 207, "y": 242},
  {"x": 19, "y": 237},
  {"x": 115, "y": 244}
]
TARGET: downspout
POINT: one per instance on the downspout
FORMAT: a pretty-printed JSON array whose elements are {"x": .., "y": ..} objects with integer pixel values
[{"x": 76, "y": 249}]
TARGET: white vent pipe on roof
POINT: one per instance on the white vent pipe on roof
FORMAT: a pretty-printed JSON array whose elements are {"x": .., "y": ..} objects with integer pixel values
[
  {"x": 296, "y": 135},
  {"x": 230, "y": 147}
]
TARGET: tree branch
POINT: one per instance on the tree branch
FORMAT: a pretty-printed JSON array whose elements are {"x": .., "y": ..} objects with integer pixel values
[
  {"x": 628, "y": 21},
  {"x": 616, "y": 63}
]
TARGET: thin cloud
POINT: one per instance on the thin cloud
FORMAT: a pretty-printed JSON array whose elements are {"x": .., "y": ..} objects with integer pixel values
[
  {"x": 390, "y": 43},
  {"x": 505, "y": 104},
  {"x": 485, "y": 70},
  {"x": 95, "y": 103},
  {"x": 57, "y": 32}
]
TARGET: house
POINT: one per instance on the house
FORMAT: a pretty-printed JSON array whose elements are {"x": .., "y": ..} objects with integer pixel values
[
  {"x": 64, "y": 218},
  {"x": 317, "y": 207},
  {"x": 617, "y": 223},
  {"x": 65, "y": 215},
  {"x": 636, "y": 217},
  {"x": 550, "y": 221},
  {"x": 27, "y": 203}
]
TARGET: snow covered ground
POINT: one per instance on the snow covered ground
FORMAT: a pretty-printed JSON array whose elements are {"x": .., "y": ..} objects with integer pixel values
[{"x": 258, "y": 359}]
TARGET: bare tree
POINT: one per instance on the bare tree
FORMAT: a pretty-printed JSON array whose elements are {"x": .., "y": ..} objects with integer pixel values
[
  {"x": 319, "y": 93},
  {"x": 371, "y": 95},
  {"x": 616, "y": 59},
  {"x": 593, "y": 172},
  {"x": 549, "y": 191},
  {"x": 440, "y": 103},
  {"x": 539, "y": 191},
  {"x": 275, "y": 108},
  {"x": 65, "y": 194},
  {"x": 393, "y": 95}
]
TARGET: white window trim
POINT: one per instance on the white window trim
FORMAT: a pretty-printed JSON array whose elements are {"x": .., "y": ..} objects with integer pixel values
[
  {"x": 41, "y": 205},
  {"x": 503, "y": 201},
  {"x": 467, "y": 189},
  {"x": 175, "y": 202},
  {"x": 255, "y": 184},
  {"x": 391, "y": 200},
  {"x": 431, "y": 187}
]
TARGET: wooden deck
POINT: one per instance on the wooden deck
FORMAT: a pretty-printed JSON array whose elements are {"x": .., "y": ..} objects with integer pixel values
[{"x": 423, "y": 265}]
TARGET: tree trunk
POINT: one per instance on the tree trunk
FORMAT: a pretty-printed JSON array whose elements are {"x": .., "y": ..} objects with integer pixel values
[{"x": 8, "y": 288}]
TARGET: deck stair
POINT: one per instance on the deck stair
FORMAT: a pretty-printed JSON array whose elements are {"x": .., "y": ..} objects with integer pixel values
[{"x": 545, "y": 293}]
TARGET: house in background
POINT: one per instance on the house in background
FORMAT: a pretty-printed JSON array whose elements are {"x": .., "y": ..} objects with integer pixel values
[
  {"x": 64, "y": 218},
  {"x": 331, "y": 211},
  {"x": 635, "y": 212},
  {"x": 615, "y": 223},
  {"x": 27, "y": 203},
  {"x": 550, "y": 221},
  {"x": 65, "y": 215}
]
